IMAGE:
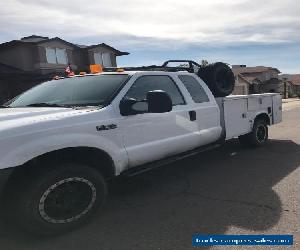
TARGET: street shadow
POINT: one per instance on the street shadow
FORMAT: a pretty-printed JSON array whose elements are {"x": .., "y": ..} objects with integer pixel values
[{"x": 165, "y": 207}]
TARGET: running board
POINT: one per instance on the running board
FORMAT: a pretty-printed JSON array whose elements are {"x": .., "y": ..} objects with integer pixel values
[{"x": 149, "y": 166}]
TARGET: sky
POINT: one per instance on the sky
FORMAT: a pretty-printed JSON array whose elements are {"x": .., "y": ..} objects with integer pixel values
[{"x": 250, "y": 32}]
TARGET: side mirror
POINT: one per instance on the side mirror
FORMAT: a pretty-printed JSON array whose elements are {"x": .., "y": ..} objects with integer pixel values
[
  {"x": 159, "y": 102},
  {"x": 126, "y": 106}
]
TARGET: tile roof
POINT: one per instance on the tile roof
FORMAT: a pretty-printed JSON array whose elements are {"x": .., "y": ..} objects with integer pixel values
[
  {"x": 296, "y": 79},
  {"x": 257, "y": 69},
  {"x": 34, "y": 38},
  {"x": 249, "y": 79}
]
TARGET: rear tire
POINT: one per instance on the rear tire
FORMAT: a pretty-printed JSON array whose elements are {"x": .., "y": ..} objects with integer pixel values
[
  {"x": 258, "y": 136},
  {"x": 50, "y": 201}
]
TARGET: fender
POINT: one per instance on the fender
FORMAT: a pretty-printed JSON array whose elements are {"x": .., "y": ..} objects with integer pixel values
[
  {"x": 261, "y": 113},
  {"x": 16, "y": 154}
]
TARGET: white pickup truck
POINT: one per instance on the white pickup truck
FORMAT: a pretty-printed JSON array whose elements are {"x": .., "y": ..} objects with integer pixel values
[{"x": 61, "y": 141}]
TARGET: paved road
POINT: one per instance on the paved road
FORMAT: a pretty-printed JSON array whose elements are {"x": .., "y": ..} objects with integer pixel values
[{"x": 231, "y": 190}]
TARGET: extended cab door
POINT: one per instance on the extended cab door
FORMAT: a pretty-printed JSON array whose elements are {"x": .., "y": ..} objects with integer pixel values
[
  {"x": 153, "y": 136},
  {"x": 206, "y": 109}
]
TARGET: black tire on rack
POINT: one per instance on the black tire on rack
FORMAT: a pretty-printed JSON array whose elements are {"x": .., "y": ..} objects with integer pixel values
[{"x": 219, "y": 78}]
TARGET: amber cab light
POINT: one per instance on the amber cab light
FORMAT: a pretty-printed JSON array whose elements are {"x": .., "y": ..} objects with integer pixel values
[{"x": 96, "y": 68}]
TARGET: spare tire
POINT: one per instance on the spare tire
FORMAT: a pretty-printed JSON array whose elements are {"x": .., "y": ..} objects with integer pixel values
[{"x": 219, "y": 78}]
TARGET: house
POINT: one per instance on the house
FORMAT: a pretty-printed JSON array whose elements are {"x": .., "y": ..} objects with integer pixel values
[
  {"x": 34, "y": 59},
  {"x": 291, "y": 83},
  {"x": 241, "y": 85},
  {"x": 296, "y": 84},
  {"x": 259, "y": 79}
]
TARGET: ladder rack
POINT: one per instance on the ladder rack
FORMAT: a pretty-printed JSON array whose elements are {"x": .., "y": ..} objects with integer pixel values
[{"x": 187, "y": 65}]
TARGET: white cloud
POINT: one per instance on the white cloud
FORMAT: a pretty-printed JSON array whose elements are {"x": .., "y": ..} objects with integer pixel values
[{"x": 188, "y": 22}]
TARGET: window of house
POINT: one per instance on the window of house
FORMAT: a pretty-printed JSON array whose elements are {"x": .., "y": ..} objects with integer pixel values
[
  {"x": 103, "y": 59},
  {"x": 144, "y": 84},
  {"x": 51, "y": 55},
  {"x": 98, "y": 58},
  {"x": 61, "y": 56},
  {"x": 194, "y": 88},
  {"x": 106, "y": 60},
  {"x": 56, "y": 56}
]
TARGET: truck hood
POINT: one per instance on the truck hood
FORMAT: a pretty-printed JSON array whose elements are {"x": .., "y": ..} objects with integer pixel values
[
  {"x": 14, "y": 119},
  {"x": 9, "y": 114}
]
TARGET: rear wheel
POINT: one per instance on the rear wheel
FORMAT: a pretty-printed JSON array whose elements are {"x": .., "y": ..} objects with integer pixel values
[
  {"x": 55, "y": 200},
  {"x": 258, "y": 136}
]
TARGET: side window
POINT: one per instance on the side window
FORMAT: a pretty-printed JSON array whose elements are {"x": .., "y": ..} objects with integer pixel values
[
  {"x": 144, "y": 84},
  {"x": 194, "y": 88}
]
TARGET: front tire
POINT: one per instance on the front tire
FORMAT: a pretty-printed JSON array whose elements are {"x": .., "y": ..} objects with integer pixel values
[
  {"x": 51, "y": 201},
  {"x": 258, "y": 136}
]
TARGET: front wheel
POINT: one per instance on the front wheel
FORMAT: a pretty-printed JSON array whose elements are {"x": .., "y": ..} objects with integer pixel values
[
  {"x": 55, "y": 200},
  {"x": 258, "y": 136}
]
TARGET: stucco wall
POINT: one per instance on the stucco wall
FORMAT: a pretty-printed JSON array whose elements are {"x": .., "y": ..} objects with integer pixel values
[
  {"x": 4, "y": 91},
  {"x": 19, "y": 56},
  {"x": 81, "y": 60},
  {"x": 241, "y": 87}
]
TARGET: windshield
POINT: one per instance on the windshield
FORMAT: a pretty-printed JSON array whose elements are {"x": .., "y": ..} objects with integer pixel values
[{"x": 76, "y": 91}]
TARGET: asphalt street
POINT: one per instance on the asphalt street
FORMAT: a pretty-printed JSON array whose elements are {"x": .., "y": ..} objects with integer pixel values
[{"x": 230, "y": 190}]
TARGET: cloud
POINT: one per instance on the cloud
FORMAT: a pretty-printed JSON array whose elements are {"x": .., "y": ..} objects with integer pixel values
[
  {"x": 190, "y": 22},
  {"x": 237, "y": 31}
]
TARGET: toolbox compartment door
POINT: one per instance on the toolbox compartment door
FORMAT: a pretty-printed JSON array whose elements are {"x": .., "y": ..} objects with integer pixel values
[
  {"x": 236, "y": 117},
  {"x": 277, "y": 109}
]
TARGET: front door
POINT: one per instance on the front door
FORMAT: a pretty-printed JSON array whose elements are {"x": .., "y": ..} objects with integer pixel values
[{"x": 151, "y": 136}]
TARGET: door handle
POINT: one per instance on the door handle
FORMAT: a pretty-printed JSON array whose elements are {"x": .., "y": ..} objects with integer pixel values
[{"x": 193, "y": 115}]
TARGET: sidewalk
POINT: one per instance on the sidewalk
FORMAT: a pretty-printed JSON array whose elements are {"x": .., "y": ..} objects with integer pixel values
[
  {"x": 291, "y": 100},
  {"x": 290, "y": 103}
]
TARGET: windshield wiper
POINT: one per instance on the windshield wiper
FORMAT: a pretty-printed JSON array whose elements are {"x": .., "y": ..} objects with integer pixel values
[
  {"x": 44, "y": 104},
  {"x": 4, "y": 106}
]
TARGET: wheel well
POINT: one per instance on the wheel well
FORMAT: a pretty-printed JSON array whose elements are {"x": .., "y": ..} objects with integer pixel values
[
  {"x": 263, "y": 116},
  {"x": 93, "y": 157}
]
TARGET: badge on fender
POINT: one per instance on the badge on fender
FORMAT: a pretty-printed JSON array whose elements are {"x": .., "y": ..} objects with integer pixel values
[{"x": 106, "y": 127}]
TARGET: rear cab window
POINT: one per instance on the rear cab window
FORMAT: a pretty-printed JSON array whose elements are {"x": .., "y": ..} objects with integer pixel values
[{"x": 196, "y": 91}]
